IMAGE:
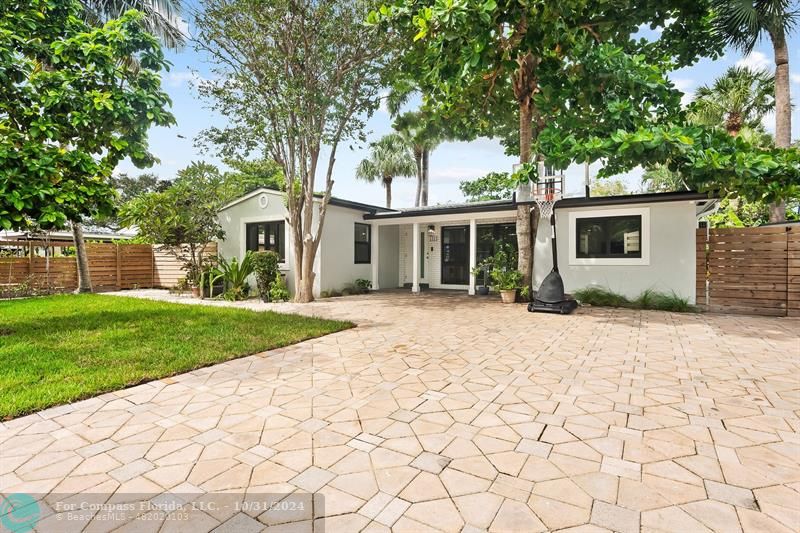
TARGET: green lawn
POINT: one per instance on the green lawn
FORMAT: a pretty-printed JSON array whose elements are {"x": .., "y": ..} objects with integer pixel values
[{"x": 60, "y": 349}]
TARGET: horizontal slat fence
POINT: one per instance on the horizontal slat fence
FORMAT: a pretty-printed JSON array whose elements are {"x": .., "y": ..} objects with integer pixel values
[
  {"x": 749, "y": 270},
  {"x": 111, "y": 266}
]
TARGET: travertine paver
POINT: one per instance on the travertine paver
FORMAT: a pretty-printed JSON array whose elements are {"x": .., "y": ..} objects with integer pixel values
[{"x": 446, "y": 413}]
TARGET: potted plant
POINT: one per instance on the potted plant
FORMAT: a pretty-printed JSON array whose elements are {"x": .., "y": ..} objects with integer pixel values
[
  {"x": 507, "y": 282},
  {"x": 505, "y": 276},
  {"x": 194, "y": 275},
  {"x": 482, "y": 272}
]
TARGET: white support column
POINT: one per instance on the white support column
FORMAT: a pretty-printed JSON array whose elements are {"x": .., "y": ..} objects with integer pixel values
[
  {"x": 473, "y": 252},
  {"x": 415, "y": 258},
  {"x": 375, "y": 232}
]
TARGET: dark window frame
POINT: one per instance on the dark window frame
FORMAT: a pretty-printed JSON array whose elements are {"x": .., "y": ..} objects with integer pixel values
[
  {"x": 605, "y": 223},
  {"x": 362, "y": 244},
  {"x": 486, "y": 248},
  {"x": 280, "y": 237}
]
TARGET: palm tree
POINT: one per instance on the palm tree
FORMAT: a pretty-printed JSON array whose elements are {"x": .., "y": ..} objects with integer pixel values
[
  {"x": 423, "y": 136},
  {"x": 389, "y": 158},
  {"x": 737, "y": 100},
  {"x": 743, "y": 23},
  {"x": 162, "y": 19}
]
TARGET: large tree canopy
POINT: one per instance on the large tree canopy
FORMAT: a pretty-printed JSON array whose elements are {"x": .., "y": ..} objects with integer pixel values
[
  {"x": 295, "y": 81},
  {"x": 515, "y": 69},
  {"x": 71, "y": 108}
]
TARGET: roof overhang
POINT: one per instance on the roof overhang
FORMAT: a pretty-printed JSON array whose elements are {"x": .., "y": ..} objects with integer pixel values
[{"x": 628, "y": 199}]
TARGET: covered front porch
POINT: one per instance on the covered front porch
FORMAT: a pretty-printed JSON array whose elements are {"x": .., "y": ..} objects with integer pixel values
[{"x": 437, "y": 248}]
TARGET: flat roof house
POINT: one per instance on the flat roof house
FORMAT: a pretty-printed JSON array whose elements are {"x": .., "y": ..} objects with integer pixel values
[{"x": 626, "y": 243}]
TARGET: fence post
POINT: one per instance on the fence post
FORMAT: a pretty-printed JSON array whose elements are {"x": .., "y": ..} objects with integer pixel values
[
  {"x": 707, "y": 273},
  {"x": 119, "y": 268}
]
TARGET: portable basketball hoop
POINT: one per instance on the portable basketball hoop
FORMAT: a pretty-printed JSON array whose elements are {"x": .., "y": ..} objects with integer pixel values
[{"x": 545, "y": 193}]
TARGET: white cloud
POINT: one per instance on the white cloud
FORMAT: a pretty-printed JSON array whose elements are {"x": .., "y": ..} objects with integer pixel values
[
  {"x": 180, "y": 77},
  {"x": 686, "y": 86},
  {"x": 756, "y": 61},
  {"x": 795, "y": 78},
  {"x": 453, "y": 174}
]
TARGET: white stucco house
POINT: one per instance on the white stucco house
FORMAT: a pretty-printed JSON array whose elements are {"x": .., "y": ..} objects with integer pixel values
[{"x": 626, "y": 243}]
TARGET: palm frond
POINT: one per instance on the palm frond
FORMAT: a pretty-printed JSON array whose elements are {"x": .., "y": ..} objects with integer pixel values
[{"x": 161, "y": 17}]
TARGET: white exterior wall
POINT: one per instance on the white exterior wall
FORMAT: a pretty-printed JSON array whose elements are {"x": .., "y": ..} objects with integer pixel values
[
  {"x": 337, "y": 250},
  {"x": 334, "y": 264},
  {"x": 671, "y": 264},
  {"x": 389, "y": 256}
]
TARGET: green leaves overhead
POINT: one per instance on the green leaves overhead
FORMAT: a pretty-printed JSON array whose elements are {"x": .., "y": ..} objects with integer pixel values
[{"x": 71, "y": 108}]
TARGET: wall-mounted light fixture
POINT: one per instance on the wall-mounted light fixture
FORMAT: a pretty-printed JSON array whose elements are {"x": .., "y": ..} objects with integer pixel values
[{"x": 431, "y": 230}]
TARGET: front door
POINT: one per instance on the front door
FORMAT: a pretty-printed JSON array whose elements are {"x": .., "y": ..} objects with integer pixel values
[
  {"x": 455, "y": 255},
  {"x": 424, "y": 256}
]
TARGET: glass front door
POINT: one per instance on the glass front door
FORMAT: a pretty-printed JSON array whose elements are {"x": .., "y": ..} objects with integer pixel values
[{"x": 455, "y": 255}]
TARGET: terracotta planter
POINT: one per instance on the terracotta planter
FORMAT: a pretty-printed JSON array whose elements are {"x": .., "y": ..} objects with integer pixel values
[
  {"x": 195, "y": 292},
  {"x": 508, "y": 296}
]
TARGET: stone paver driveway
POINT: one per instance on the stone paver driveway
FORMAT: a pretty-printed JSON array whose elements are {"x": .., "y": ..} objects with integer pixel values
[{"x": 451, "y": 414}]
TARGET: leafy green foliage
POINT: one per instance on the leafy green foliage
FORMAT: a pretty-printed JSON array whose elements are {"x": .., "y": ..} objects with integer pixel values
[
  {"x": 737, "y": 213},
  {"x": 235, "y": 274},
  {"x": 248, "y": 175},
  {"x": 362, "y": 285},
  {"x": 649, "y": 299},
  {"x": 183, "y": 218},
  {"x": 708, "y": 160},
  {"x": 291, "y": 77},
  {"x": 265, "y": 267},
  {"x": 492, "y": 186},
  {"x": 502, "y": 267},
  {"x": 609, "y": 187},
  {"x": 106, "y": 343},
  {"x": 659, "y": 178},
  {"x": 588, "y": 73},
  {"x": 71, "y": 108},
  {"x": 278, "y": 291}
]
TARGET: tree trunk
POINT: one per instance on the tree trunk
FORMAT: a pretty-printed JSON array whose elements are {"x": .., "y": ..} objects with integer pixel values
[
  {"x": 783, "y": 110},
  {"x": 420, "y": 176},
  {"x": 84, "y": 277},
  {"x": 426, "y": 154},
  {"x": 524, "y": 85},
  {"x": 387, "y": 184}
]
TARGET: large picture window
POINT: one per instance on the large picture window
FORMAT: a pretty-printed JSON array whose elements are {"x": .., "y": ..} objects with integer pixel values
[
  {"x": 264, "y": 236},
  {"x": 489, "y": 234},
  {"x": 609, "y": 237},
  {"x": 363, "y": 246}
]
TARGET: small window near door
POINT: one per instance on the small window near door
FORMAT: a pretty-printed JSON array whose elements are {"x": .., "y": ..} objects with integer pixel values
[
  {"x": 363, "y": 246},
  {"x": 263, "y": 236},
  {"x": 609, "y": 237}
]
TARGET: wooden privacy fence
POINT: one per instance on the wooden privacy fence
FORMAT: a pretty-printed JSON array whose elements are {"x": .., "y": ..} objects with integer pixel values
[
  {"x": 111, "y": 266},
  {"x": 749, "y": 270}
]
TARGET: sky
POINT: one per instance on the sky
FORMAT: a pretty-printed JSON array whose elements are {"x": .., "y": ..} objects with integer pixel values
[{"x": 450, "y": 163}]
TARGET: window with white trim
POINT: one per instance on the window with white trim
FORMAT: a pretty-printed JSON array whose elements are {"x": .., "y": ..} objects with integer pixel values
[{"x": 613, "y": 236}]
